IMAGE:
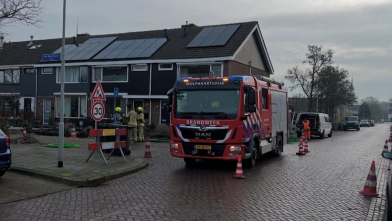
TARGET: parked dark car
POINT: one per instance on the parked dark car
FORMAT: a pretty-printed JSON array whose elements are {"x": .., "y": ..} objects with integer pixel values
[
  {"x": 388, "y": 206},
  {"x": 5, "y": 153},
  {"x": 351, "y": 122},
  {"x": 364, "y": 123}
]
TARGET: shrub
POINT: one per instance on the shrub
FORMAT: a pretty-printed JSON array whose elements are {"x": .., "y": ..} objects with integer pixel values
[
  {"x": 152, "y": 126},
  {"x": 162, "y": 129}
]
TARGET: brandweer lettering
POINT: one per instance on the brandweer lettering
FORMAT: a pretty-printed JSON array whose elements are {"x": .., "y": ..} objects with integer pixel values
[
  {"x": 199, "y": 122},
  {"x": 204, "y": 83}
]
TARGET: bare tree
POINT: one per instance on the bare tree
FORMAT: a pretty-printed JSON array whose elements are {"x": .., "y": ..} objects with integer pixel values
[
  {"x": 27, "y": 12},
  {"x": 317, "y": 59},
  {"x": 334, "y": 88}
]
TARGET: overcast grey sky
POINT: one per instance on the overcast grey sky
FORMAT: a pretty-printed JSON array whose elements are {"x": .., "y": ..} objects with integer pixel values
[{"x": 359, "y": 31}]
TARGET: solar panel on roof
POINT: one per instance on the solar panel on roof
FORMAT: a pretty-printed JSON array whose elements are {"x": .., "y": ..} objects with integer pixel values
[
  {"x": 86, "y": 50},
  {"x": 213, "y": 36},
  {"x": 132, "y": 48}
]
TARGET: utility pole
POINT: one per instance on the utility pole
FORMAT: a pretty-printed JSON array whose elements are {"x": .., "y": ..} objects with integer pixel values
[{"x": 62, "y": 79}]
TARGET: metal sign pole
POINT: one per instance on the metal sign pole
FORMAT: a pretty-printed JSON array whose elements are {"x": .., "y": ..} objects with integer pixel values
[{"x": 62, "y": 79}]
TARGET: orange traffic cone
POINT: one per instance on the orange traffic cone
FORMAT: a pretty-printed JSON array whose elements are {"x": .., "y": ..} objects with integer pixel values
[
  {"x": 370, "y": 188},
  {"x": 73, "y": 133},
  {"x": 306, "y": 146},
  {"x": 385, "y": 147},
  {"x": 301, "y": 148},
  {"x": 238, "y": 173},
  {"x": 24, "y": 131},
  {"x": 147, "y": 153},
  {"x": 390, "y": 137}
]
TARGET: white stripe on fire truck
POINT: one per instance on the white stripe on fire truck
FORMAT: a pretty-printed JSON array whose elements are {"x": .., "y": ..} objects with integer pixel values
[{"x": 227, "y": 137}]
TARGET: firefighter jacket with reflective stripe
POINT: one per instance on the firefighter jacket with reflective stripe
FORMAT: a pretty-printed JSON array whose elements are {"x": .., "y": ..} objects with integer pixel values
[
  {"x": 133, "y": 117},
  {"x": 140, "y": 119}
]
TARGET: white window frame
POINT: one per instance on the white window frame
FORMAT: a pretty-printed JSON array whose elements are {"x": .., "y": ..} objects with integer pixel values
[
  {"x": 12, "y": 71},
  {"x": 112, "y": 66},
  {"x": 135, "y": 65},
  {"x": 43, "y": 70},
  {"x": 58, "y": 70},
  {"x": 79, "y": 102},
  {"x": 179, "y": 65},
  {"x": 165, "y": 69}
]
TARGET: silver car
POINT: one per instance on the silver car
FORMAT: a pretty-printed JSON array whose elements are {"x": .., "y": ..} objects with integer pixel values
[{"x": 365, "y": 123}]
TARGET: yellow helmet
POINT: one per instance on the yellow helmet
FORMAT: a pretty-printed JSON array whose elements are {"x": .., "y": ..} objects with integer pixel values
[
  {"x": 118, "y": 109},
  {"x": 140, "y": 109}
]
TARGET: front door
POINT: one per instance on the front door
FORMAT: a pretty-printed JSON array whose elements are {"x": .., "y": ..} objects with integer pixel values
[
  {"x": 27, "y": 104},
  {"x": 165, "y": 118},
  {"x": 47, "y": 110}
]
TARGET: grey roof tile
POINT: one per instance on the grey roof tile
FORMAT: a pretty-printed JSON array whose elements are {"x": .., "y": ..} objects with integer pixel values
[{"x": 17, "y": 53}]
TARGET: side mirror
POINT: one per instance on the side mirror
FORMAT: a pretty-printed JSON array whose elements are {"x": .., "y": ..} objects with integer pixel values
[
  {"x": 252, "y": 97},
  {"x": 251, "y": 108},
  {"x": 170, "y": 100},
  {"x": 387, "y": 155}
]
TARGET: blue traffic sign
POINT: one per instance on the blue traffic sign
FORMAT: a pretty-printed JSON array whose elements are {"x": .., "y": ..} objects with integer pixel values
[
  {"x": 51, "y": 57},
  {"x": 115, "y": 94}
]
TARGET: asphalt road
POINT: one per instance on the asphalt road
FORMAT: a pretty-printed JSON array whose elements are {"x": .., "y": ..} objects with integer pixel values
[{"x": 322, "y": 185}]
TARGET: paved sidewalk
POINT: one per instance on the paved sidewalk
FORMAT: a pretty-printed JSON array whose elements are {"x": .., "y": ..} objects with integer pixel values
[
  {"x": 41, "y": 161},
  {"x": 377, "y": 206}
]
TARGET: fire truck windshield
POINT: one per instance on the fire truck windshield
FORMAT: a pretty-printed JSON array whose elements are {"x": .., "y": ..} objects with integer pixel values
[{"x": 207, "y": 104}]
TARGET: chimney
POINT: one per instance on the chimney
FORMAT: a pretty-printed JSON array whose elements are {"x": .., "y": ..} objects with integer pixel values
[
  {"x": 82, "y": 35},
  {"x": 1, "y": 42},
  {"x": 184, "y": 32},
  {"x": 166, "y": 35},
  {"x": 190, "y": 25}
]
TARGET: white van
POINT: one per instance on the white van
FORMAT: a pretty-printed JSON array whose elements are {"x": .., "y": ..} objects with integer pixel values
[{"x": 320, "y": 124}]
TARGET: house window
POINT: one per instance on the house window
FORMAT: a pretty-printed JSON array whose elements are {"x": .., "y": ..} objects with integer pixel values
[
  {"x": 111, "y": 74},
  {"x": 74, "y": 106},
  {"x": 165, "y": 67},
  {"x": 200, "y": 70},
  {"x": 29, "y": 71},
  {"x": 47, "y": 70},
  {"x": 139, "y": 67},
  {"x": 73, "y": 74},
  {"x": 10, "y": 77},
  {"x": 109, "y": 106}
]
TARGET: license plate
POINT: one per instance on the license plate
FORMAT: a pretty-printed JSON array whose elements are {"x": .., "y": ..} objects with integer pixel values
[{"x": 203, "y": 147}]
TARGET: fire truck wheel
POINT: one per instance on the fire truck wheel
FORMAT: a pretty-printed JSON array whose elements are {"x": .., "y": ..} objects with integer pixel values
[
  {"x": 190, "y": 161},
  {"x": 278, "y": 150},
  {"x": 251, "y": 162}
]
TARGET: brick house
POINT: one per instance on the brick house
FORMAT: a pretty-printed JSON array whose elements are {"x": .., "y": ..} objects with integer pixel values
[{"x": 143, "y": 65}]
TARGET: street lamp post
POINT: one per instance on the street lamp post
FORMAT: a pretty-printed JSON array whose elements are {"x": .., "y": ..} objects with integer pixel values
[{"x": 62, "y": 79}]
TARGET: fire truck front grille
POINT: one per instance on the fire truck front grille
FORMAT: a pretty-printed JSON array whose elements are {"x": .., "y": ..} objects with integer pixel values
[
  {"x": 217, "y": 150},
  {"x": 189, "y": 133}
]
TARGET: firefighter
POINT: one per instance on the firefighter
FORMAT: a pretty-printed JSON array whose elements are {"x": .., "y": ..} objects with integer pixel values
[
  {"x": 140, "y": 124},
  {"x": 306, "y": 124},
  {"x": 133, "y": 116},
  {"x": 117, "y": 118}
]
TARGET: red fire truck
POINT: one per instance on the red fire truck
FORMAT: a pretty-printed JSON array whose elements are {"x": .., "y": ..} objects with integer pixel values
[{"x": 227, "y": 117}]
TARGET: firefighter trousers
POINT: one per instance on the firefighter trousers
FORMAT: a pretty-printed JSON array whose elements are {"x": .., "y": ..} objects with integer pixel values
[
  {"x": 134, "y": 133},
  {"x": 140, "y": 130}
]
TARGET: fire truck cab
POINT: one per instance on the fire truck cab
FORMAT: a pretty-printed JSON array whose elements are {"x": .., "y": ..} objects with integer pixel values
[{"x": 225, "y": 118}]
